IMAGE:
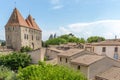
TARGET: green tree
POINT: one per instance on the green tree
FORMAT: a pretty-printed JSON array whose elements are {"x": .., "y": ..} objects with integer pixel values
[
  {"x": 25, "y": 49},
  {"x": 49, "y": 72},
  {"x": 3, "y": 44},
  {"x": 95, "y": 39},
  {"x": 15, "y": 60}
]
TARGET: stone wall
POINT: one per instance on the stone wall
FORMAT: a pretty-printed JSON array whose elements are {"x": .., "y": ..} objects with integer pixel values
[{"x": 36, "y": 55}]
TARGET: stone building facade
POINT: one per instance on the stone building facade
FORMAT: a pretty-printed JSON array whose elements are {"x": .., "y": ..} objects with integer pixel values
[
  {"x": 21, "y": 32},
  {"x": 89, "y": 63}
]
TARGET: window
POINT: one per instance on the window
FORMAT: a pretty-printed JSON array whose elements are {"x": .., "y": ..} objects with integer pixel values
[
  {"x": 104, "y": 49},
  {"x": 13, "y": 28},
  {"x": 60, "y": 59},
  {"x": 78, "y": 67},
  {"x": 66, "y": 60},
  {"x": 115, "y": 56},
  {"x": 116, "y": 49},
  {"x": 27, "y": 36},
  {"x": 24, "y": 36},
  {"x": 32, "y": 37},
  {"x": 8, "y": 37}
]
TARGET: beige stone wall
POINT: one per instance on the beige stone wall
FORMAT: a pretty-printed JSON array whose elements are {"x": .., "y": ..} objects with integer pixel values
[
  {"x": 63, "y": 61},
  {"x": 36, "y": 56},
  {"x": 51, "y": 54},
  {"x": 101, "y": 66},
  {"x": 109, "y": 50},
  {"x": 83, "y": 69},
  {"x": 15, "y": 37}
]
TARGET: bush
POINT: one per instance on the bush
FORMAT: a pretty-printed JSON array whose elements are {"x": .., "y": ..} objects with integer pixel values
[
  {"x": 15, "y": 60},
  {"x": 25, "y": 49},
  {"x": 49, "y": 72},
  {"x": 6, "y": 74}
]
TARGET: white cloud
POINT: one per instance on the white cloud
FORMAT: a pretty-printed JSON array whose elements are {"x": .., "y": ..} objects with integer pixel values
[
  {"x": 56, "y": 4},
  {"x": 58, "y": 7},
  {"x": 105, "y": 28}
]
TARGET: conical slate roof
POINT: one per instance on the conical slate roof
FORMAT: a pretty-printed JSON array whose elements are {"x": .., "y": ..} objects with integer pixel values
[{"x": 16, "y": 19}]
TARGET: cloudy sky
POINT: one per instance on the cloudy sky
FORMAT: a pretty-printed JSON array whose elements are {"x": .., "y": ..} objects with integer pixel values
[{"x": 83, "y": 18}]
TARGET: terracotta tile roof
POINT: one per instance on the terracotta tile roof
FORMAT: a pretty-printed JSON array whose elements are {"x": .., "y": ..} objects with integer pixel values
[
  {"x": 107, "y": 43},
  {"x": 31, "y": 22},
  {"x": 16, "y": 19},
  {"x": 111, "y": 74},
  {"x": 87, "y": 59}
]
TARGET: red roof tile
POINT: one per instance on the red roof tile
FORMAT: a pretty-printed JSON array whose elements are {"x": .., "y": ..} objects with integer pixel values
[
  {"x": 31, "y": 22},
  {"x": 16, "y": 19}
]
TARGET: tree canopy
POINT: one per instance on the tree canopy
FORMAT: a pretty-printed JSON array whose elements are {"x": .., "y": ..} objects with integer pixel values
[
  {"x": 95, "y": 39},
  {"x": 63, "y": 39},
  {"x": 15, "y": 60},
  {"x": 49, "y": 72}
]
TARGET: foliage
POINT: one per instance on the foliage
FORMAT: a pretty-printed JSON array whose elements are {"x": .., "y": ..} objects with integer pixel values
[
  {"x": 56, "y": 41},
  {"x": 49, "y": 72},
  {"x": 25, "y": 49},
  {"x": 64, "y": 39},
  {"x": 15, "y": 60},
  {"x": 3, "y": 43},
  {"x": 6, "y": 74},
  {"x": 95, "y": 39}
]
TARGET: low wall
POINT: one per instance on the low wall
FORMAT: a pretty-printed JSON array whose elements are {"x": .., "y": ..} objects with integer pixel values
[{"x": 36, "y": 55}]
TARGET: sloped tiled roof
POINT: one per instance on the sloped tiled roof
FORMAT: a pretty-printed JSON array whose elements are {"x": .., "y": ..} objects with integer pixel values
[
  {"x": 112, "y": 73},
  {"x": 31, "y": 22},
  {"x": 107, "y": 43},
  {"x": 16, "y": 19},
  {"x": 87, "y": 59},
  {"x": 71, "y": 52}
]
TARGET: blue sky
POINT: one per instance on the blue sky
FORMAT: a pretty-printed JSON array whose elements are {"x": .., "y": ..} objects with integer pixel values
[{"x": 83, "y": 18}]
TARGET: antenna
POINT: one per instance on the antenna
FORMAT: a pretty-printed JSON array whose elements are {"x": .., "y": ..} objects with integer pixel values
[{"x": 15, "y": 3}]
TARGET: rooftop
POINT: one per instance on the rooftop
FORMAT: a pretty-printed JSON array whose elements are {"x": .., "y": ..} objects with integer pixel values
[
  {"x": 16, "y": 19},
  {"x": 87, "y": 59},
  {"x": 70, "y": 52},
  {"x": 111, "y": 74},
  {"x": 54, "y": 49},
  {"x": 107, "y": 43}
]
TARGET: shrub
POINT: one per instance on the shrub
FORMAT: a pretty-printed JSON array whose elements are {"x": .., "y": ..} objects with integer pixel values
[
  {"x": 6, "y": 74},
  {"x": 25, "y": 49},
  {"x": 15, "y": 60},
  {"x": 49, "y": 72}
]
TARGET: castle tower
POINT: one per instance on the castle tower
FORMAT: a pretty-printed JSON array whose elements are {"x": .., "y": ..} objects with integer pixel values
[{"x": 21, "y": 32}]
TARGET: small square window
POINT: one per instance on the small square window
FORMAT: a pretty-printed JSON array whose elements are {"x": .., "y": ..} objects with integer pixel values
[{"x": 104, "y": 49}]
